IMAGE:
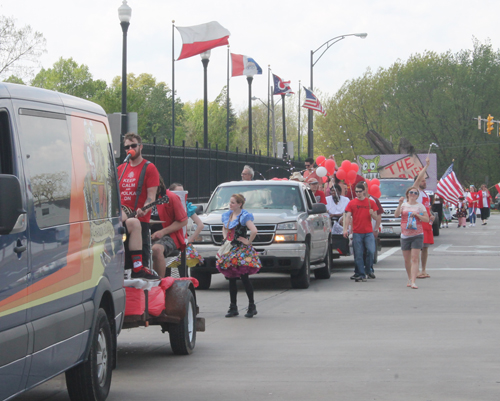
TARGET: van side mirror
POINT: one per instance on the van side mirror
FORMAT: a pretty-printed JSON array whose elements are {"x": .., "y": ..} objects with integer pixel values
[
  {"x": 318, "y": 208},
  {"x": 12, "y": 203},
  {"x": 199, "y": 209}
]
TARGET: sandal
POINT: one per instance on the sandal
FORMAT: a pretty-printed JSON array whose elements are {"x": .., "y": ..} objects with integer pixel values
[
  {"x": 409, "y": 283},
  {"x": 423, "y": 276},
  {"x": 414, "y": 286}
]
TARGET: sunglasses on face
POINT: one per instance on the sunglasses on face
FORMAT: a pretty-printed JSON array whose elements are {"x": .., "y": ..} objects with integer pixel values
[
  {"x": 133, "y": 146},
  {"x": 413, "y": 193},
  {"x": 358, "y": 191}
]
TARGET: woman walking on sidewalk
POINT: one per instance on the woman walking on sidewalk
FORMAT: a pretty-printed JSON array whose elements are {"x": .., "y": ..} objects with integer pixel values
[
  {"x": 239, "y": 259},
  {"x": 472, "y": 198},
  {"x": 484, "y": 203},
  {"x": 412, "y": 232}
]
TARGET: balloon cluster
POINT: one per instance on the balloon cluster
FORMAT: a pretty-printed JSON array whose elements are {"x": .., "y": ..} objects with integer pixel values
[
  {"x": 348, "y": 172},
  {"x": 325, "y": 167},
  {"x": 373, "y": 187}
]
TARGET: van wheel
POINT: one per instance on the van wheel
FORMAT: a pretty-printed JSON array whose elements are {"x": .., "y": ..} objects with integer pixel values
[
  {"x": 90, "y": 381},
  {"x": 204, "y": 279},
  {"x": 302, "y": 279},
  {"x": 183, "y": 334},
  {"x": 325, "y": 273}
]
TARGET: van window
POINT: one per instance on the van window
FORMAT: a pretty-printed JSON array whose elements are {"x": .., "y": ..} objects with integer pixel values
[
  {"x": 48, "y": 164},
  {"x": 6, "y": 166}
]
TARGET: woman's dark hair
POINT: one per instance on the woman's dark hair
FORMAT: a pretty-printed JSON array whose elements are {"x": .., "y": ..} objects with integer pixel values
[{"x": 175, "y": 185}]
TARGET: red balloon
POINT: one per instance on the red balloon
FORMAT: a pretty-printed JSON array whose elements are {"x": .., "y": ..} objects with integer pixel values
[
  {"x": 320, "y": 160},
  {"x": 354, "y": 167},
  {"x": 325, "y": 179},
  {"x": 330, "y": 166},
  {"x": 341, "y": 174},
  {"x": 368, "y": 182},
  {"x": 376, "y": 181},
  {"x": 346, "y": 165},
  {"x": 351, "y": 176},
  {"x": 375, "y": 191}
]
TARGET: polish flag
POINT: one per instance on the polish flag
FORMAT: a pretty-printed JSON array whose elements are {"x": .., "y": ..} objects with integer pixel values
[
  {"x": 244, "y": 65},
  {"x": 197, "y": 39},
  {"x": 497, "y": 186}
]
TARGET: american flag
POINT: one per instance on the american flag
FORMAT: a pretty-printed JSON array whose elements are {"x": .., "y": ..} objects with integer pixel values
[
  {"x": 312, "y": 102},
  {"x": 448, "y": 186},
  {"x": 281, "y": 87}
]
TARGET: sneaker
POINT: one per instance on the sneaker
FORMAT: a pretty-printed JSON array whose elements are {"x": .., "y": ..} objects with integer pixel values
[
  {"x": 145, "y": 274},
  {"x": 360, "y": 278},
  {"x": 474, "y": 225},
  {"x": 371, "y": 275},
  {"x": 446, "y": 225},
  {"x": 354, "y": 277}
]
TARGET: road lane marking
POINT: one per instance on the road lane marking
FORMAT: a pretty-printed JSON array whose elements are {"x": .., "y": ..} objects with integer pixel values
[
  {"x": 478, "y": 249},
  {"x": 388, "y": 253},
  {"x": 394, "y": 269}
]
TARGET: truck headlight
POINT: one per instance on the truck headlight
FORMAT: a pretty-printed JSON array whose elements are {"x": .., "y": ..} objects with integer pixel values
[
  {"x": 285, "y": 237},
  {"x": 287, "y": 226},
  {"x": 203, "y": 238}
]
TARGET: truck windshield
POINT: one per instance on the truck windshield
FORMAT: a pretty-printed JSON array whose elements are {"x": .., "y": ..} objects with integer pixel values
[
  {"x": 258, "y": 197},
  {"x": 394, "y": 188}
]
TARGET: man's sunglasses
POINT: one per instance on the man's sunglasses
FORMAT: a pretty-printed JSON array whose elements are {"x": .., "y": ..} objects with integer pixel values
[
  {"x": 359, "y": 191},
  {"x": 413, "y": 193},
  {"x": 133, "y": 146}
]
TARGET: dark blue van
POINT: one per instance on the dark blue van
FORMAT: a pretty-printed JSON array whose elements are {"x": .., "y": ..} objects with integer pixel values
[{"x": 61, "y": 248}]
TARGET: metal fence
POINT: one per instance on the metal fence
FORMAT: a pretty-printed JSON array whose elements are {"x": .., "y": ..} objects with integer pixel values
[{"x": 200, "y": 170}]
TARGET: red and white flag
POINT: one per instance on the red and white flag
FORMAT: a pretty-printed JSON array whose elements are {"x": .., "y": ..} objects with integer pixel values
[
  {"x": 197, "y": 39},
  {"x": 448, "y": 187},
  {"x": 312, "y": 102},
  {"x": 497, "y": 186}
]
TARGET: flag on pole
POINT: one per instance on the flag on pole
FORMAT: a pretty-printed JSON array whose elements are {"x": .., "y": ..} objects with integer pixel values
[
  {"x": 448, "y": 187},
  {"x": 244, "y": 65},
  {"x": 281, "y": 87},
  {"x": 312, "y": 102},
  {"x": 497, "y": 186},
  {"x": 197, "y": 39}
]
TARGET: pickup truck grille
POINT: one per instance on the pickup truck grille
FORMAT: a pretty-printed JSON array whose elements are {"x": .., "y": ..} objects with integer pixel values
[{"x": 265, "y": 234}]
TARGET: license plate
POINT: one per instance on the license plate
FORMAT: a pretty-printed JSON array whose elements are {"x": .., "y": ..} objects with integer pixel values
[{"x": 387, "y": 230}]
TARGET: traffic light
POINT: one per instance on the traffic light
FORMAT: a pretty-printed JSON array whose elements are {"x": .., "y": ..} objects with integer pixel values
[{"x": 489, "y": 124}]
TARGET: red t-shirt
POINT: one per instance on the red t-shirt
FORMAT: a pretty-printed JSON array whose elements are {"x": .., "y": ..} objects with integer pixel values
[
  {"x": 320, "y": 197},
  {"x": 128, "y": 185},
  {"x": 361, "y": 218},
  {"x": 173, "y": 211}
]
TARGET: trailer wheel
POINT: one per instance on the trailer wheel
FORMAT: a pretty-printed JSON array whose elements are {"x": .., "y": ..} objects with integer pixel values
[
  {"x": 90, "y": 381},
  {"x": 183, "y": 334}
]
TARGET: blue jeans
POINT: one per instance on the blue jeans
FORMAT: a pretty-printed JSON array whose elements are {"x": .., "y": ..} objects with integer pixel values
[
  {"x": 362, "y": 243},
  {"x": 472, "y": 216}
]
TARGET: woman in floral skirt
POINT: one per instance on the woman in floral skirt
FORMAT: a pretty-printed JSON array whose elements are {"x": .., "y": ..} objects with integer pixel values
[{"x": 241, "y": 259}]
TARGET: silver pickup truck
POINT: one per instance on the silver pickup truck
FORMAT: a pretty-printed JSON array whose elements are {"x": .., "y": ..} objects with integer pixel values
[{"x": 293, "y": 230}]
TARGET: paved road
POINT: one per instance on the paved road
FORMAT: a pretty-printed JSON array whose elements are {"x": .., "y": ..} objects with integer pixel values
[{"x": 338, "y": 340}]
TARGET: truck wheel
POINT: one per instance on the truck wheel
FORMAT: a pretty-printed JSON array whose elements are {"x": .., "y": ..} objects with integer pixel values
[
  {"x": 302, "y": 279},
  {"x": 90, "y": 381},
  {"x": 183, "y": 334},
  {"x": 204, "y": 278},
  {"x": 325, "y": 273}
]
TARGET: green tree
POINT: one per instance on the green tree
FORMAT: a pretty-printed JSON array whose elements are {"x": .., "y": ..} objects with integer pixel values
[
  {"x": 14, "y": 80},
  {"x": 20, "y": 48},
  {"x": 429, "y": 98},
  {"x": 67, "y": 76}
]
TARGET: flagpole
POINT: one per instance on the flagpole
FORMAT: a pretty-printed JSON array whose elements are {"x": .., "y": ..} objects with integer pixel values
[
  {"x": 274, "y": 125},
  {"x": 298, "y": 129},
  {"x": 285, "y": 147},
  {"x": 227, "y": 103},
  {"x": 268, "y": 108},
  {"x": 173, "y": 86}
]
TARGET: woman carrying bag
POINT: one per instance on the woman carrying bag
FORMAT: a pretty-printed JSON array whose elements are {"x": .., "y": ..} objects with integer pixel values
[{"x": 240, "y": 259}]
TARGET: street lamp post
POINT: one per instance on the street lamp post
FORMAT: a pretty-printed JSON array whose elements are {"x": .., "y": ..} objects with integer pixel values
[
  {"x": 250, "y": 145},
  {"x": 124, "y": 14},
  {"x": 270, "y": 111},
  {"x": 328, "y": 44},
  {"x": 205, "y": 58}
]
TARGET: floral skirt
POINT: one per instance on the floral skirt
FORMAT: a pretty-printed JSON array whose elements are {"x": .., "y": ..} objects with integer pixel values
[
  {"x": 192, "y": 258},
  {"x": 241, "y": 259}
]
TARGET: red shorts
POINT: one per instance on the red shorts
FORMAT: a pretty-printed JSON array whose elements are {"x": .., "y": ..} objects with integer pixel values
[{"x": 428, "y": 234}]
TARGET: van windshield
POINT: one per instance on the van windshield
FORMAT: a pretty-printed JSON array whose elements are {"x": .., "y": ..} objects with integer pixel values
[
  {"x": 258, "y": 197},
  {"x": 394, "y": 188}
]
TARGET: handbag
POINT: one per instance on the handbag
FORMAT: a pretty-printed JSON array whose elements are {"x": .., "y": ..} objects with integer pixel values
[{"x": 225, "y": 248}]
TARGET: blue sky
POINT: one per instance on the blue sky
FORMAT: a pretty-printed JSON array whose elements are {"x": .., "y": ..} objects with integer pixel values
[{"x": 278, "y": 33}]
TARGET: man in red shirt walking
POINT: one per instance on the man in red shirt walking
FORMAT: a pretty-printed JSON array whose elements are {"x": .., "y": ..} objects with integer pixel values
[
  {"x": 361, "y": 211},
  {"x": 138, "y": 188}
]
